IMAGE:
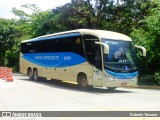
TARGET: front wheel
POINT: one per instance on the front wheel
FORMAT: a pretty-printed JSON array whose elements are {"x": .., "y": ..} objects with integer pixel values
[
  {"x": 83, "y": 82},
  {"x": 35, "y": 74}
]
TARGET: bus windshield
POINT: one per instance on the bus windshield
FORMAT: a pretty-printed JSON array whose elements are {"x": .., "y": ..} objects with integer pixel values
[{"x": 121, "y": 57}]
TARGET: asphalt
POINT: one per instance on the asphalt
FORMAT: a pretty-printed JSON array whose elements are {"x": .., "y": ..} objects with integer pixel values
[{"x": 25, "y": 95}]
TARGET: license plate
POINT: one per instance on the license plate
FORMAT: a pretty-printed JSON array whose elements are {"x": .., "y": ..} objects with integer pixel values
[{"x": 124, "y": 84}]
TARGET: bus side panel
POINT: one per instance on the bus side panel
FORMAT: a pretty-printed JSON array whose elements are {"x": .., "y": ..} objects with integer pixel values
[
  {"x": 43, "y": 71},
  {"x": 82, "y": 68},
  {"x": 25, "y": 64},
  {"x": 22, "y": 65},
  {"x": 60, "y": 73},
  {"x": 53, "y": 74}
]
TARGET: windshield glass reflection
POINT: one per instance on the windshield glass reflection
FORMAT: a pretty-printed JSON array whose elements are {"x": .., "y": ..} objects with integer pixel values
[{"x": 121, "y": 58}]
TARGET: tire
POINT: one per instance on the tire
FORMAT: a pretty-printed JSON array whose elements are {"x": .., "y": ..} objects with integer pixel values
[
  {"x": 30, "y": 75},
  {"x": 83, "y": 82},
  {"x": 111, "y": 88},
  {"x": 35, "y": 75}
]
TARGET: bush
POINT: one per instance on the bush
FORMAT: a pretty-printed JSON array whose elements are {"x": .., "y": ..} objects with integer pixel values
[
  {"x": 157, "y": 77},
  {"x": 150, "y": 79}
]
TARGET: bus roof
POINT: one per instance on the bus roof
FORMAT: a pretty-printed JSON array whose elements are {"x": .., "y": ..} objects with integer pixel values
[{"x": 99, "y": 33}]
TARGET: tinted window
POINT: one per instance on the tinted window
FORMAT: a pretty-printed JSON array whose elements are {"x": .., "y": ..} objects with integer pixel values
[
  {"x": 67, "y": 44},
  {"x": 27, "y": 47},
  {"x": 72, "y": 44},
  {"x": 93, "y": 51},
  {"x": 52, "y": 45},
  {"x": 41, "y": 46}
]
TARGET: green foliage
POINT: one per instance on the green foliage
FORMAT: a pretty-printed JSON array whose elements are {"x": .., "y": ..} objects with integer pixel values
[
  {"x": 125, "y": 16},
  {"x": 148, "y": 35},
  {"x": 150, "y": 79},
  {"x": 7, "y": 35},
  {"x": 77, "y": 14},
  {"x": 21, "y": 14},
  {"x": 157, "y": 77},
  {"x": 37, "y": 24},
  {"x": 12, "y": 59}
]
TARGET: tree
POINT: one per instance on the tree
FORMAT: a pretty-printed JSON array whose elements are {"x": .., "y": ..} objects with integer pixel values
[
  {"x": 125, "y": 15},
  {"x": 148, "y": 35},
  {"x": 75, "y": 15},
  {"x": 7, "y": 35}
]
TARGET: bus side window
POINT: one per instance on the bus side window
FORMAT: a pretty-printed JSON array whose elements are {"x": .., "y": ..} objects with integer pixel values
[
  {"x": 93, "y": 51},
  {"x": 51, "y": 45},
  {"x": 65, "y": 44},
  {"x": 26, "y": 47},
  {"x": 72, "y": 44},
  {"x": 77, "y": 45}
]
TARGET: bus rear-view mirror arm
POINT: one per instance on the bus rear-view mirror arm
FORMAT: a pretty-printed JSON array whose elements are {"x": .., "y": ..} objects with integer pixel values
[
  {"x": 106, "y": 47},
  {"x": 143, "y": 50}
]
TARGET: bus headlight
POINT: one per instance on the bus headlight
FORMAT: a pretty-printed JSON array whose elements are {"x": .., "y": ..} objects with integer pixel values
[{"x": 110, "y": 78}]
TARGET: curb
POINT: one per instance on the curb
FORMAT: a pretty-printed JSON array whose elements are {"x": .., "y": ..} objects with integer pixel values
[{"x": 143, "y": 87}]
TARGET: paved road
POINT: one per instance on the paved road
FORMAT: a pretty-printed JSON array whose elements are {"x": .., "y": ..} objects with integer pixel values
[{"x": 26, "y": 95}]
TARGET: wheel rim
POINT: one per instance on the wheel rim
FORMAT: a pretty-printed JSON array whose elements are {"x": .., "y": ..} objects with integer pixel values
[
  {"x": 30, "y": 74},
  {"x": 35, "y": 75},
  {"x": 84, "y": 82}
]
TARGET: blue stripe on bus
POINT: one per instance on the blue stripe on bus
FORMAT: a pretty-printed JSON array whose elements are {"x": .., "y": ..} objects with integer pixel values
[
  {"x": 53, "y": 37},
  {"x": 122, "y": 75},
  {"x": 58, "y": 59}
]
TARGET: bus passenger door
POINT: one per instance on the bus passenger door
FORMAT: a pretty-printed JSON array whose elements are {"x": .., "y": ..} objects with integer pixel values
[
  {"x": 97, "y": 68},
  {"x": 97, "y": 77},
  {"x": 93, "y": 53}
]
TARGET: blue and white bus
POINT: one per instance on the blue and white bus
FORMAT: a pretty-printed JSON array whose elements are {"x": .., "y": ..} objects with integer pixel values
[{"x": 87, "y": 57}]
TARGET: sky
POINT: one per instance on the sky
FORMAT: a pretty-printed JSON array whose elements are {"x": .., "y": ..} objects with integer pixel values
[{"x": 7, "y": 5}]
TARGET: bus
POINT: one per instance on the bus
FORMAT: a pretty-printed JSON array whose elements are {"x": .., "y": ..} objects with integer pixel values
[{"x": 84, "y": 56}]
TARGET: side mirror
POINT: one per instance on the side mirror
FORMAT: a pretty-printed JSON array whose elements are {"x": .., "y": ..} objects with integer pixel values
[
  {"x": 143, "y": 50},
  {"x": 106, "y": 47}
]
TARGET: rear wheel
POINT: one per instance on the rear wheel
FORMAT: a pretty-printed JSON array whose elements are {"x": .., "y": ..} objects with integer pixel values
[
  {"x": 30, "y": 75},
  {"x": 83, "y": 82}
]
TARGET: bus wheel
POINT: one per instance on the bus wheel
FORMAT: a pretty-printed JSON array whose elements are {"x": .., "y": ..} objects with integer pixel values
[
  {"x": 35, "y": 74},
  {"x": 111, "y": 88},
  {"x": 30, "y": 74},
  {"x": 83, "y": 82}
]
